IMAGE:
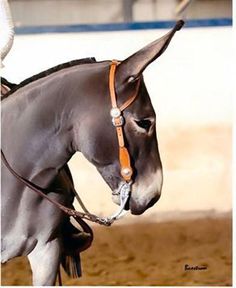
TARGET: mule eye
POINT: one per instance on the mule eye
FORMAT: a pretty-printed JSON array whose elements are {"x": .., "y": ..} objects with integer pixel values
[{"x": 144, "y": 123}]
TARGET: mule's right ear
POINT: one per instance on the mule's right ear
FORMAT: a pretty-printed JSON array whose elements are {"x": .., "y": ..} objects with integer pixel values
[{"x": 131, "y": 68}]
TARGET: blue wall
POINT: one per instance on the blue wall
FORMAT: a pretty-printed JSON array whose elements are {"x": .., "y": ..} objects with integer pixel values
[{"x": 213, "y": 22}]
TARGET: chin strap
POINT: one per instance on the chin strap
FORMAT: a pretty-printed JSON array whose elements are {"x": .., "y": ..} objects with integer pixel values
[{"x": 124, "y": 194}]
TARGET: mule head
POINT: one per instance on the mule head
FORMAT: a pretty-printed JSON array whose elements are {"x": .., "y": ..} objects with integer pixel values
[
  {"x": 139, "y": 131},
  {"x": 140, "y": 128}
]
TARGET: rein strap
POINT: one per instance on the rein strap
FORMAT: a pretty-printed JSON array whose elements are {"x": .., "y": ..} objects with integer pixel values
[{"x": 41, "y": 192}]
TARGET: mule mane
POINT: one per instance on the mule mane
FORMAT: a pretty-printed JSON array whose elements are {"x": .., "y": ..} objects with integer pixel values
[{"x": 48, "y": 72}]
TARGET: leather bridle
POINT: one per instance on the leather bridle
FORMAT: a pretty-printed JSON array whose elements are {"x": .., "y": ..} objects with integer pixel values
[
  {"x": 118, "y": 121},
  {"x": 124, "y": 159}
]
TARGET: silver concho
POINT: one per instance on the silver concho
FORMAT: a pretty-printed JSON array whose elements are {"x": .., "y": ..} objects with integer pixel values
[{"x": 115, "y": 112}]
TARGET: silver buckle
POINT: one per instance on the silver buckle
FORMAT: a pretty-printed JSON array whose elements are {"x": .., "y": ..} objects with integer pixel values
[{"x": 118, "y": 121}]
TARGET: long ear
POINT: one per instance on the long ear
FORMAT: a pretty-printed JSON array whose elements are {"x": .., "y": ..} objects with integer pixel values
[{"x": 131, "y": 68}]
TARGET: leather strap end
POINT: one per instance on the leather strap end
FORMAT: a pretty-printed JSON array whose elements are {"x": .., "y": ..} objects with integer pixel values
[{"x": 126, "y": 170}]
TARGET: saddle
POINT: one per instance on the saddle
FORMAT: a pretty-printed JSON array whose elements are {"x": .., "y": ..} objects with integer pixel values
[{"x": 74, "y": 242}]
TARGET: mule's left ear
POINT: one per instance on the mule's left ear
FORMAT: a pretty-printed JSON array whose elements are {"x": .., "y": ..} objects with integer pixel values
[{"x": 131, "y": 68}]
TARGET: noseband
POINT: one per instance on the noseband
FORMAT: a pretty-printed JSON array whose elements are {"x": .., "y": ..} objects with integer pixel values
[{"x": 126, "y": 170}]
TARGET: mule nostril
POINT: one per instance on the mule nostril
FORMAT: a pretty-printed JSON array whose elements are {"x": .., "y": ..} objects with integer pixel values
[{"x": 153, "y": 201}]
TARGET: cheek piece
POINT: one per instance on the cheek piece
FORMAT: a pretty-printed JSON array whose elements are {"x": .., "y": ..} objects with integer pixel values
[{"x": 126, "y": 170}]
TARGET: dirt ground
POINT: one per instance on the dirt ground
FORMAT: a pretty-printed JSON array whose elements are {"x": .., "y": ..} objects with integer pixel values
[{"x": 147, "y": 253}]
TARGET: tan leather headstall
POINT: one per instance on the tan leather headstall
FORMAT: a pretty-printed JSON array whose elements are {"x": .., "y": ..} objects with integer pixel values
[{"x": 118, "y": 121}]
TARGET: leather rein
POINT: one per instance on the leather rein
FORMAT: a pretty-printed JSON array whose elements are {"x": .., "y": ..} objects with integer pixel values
[{"x": 124, "y": 158}]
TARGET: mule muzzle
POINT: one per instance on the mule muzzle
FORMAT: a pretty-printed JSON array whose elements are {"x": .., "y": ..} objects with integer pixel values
[{"x": 137, "y": 209}]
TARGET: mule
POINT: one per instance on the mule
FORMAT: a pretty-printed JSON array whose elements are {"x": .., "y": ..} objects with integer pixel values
[{"x": 50, "y": 116}]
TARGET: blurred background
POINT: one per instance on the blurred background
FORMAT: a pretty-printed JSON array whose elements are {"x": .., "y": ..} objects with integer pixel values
[
  {"x": 67, "y": 12},
  {"x": 191, "y": 90}
]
